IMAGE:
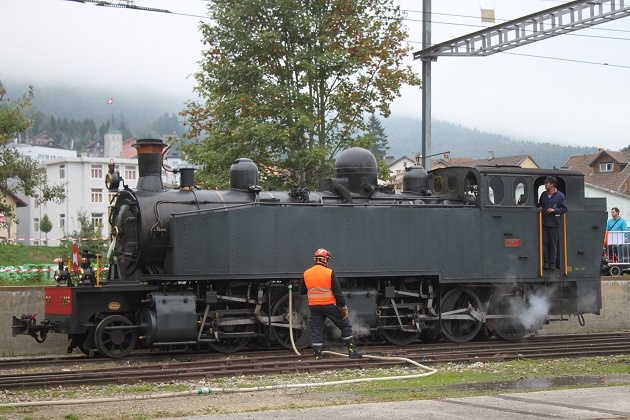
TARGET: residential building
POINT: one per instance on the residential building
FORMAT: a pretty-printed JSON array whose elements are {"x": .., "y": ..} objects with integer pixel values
[
  {"x": 44, "y": 140},
  {"x": 84, "y": 179},
  {"x": 43, "y": 153},
  {"x": 522, "y": 161},
  {"x": 606, "y": 174},
  {"x": 8, "y": 225}
]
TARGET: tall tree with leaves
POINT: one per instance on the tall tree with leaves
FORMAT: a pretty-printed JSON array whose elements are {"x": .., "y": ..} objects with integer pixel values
[
  {"x": 18, "y": 173},
  {"x": 45, "y": 225},
  {"x": 287, "y": 83}
]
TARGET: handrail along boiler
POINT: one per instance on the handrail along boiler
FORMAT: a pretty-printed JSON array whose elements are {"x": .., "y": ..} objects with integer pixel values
[{"x": 457, "y": 253}]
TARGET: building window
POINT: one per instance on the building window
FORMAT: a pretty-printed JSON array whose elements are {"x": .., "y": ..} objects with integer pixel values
[
  {"x": 97, "y": 195},
  {"x": 606, "y": 167},
  {"x": 62, "y": 222},
  {"x": 110, "y": 197},
  {"x": 130, "y": 172},
  {"x": 36, "y": 224},
  {"x": 97, "y": 220},
  {"x": 96, "y": 171},
  {"x": 62, "y": 171}
]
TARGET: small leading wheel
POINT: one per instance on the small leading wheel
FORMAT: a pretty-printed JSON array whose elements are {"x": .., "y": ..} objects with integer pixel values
[
  {"x": 508, "y": 328},
  {"x": 615, "y": 270},
  {"x": 460, "y": 327},
  {"x": 300, "y": 315},
  {"x": 116, "y": 336}
]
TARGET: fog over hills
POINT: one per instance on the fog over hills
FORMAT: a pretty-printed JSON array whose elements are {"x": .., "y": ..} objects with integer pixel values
[
  {"x": 405, "y": 138},
  {"x": 404, "y": 133}
]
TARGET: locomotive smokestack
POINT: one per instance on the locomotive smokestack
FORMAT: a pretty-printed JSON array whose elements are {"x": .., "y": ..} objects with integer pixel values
[{"x": 150, "y": 164}]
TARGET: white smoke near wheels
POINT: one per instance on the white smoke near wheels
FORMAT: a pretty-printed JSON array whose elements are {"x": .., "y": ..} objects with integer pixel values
[{"x": 532, "y": 311}]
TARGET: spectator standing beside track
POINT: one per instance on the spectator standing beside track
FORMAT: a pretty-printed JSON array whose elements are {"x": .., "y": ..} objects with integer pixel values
[
  {"x": 553, "y": 204},
  {"x": 615, "y": 224},
  {"x": 326, "y": 301}
]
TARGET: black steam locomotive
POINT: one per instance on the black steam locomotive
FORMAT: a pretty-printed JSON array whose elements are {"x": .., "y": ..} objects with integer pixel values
[{"x": 457, "y": 253}]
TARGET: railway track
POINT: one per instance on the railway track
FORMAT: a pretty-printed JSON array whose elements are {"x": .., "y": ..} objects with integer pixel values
[{"x": 70, "y": 371}]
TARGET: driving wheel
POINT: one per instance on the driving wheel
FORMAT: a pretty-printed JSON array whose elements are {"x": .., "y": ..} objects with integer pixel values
[
  {"x": 460, "y": 326},
  {"x": 509, "y": 328},
  {"x": 300, "y": 315}
]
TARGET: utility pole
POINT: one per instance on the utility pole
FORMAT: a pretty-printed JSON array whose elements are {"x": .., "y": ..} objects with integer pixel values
[{"x": 426, "y": 85}]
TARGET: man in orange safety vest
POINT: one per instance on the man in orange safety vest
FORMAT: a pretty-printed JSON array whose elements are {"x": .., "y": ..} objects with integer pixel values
[{"x": 325, "y": 300}]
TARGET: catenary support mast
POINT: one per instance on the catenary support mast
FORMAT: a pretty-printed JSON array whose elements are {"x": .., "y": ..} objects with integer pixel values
[{"x": 548, "y": 23}]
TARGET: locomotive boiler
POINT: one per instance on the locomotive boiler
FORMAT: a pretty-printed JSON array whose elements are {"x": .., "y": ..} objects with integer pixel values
[{"x": 457, "y": 254}]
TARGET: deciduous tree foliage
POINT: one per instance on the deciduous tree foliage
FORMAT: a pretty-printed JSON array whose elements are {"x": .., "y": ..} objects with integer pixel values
[
  {"x": 287, "y": 83},
  {"x": 18, "y": 173}
]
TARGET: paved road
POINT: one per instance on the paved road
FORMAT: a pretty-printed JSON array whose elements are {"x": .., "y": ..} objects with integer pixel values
[{"x": 587, "y": 403}]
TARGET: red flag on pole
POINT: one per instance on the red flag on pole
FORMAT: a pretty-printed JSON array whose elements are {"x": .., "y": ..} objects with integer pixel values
[
  {"x": 75, "y": 257},
  {"x": 110, "y": 101}
]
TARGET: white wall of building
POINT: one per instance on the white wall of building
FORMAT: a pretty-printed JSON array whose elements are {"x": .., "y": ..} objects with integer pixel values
[
  {"x": 84, "y": 180},
  {"x": 613, "y": 199},
  {"x": 43, "y": 154}
]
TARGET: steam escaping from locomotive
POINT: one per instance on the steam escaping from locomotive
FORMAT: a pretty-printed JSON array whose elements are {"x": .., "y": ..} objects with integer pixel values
[{"x": 532, "y": 312}]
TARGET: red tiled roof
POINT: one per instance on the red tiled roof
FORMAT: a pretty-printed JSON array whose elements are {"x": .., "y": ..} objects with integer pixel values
[
  {"x": 502, "y": 161},
  {"x": 614, "y": 181}
]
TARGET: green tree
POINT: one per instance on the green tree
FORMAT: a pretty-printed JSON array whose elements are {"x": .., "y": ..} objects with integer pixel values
[
  {"x": 18, "y": 173},
  {"x": 45, "y": 225},
  {"x": 287, "y": 83},
  {"x": 87, "y": 229},
  {"x": 379, "y": 146}
]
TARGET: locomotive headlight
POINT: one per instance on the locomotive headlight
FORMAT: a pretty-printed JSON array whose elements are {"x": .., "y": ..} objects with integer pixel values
[{"x": 112, "y": 181}]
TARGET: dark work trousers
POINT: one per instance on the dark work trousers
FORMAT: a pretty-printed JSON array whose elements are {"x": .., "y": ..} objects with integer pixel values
[
  {"x": 319, "y": 313},
  {"x": 551, "y": 235}
]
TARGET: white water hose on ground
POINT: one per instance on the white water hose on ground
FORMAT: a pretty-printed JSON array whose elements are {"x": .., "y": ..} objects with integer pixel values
[{"x": 203, "y": 391}]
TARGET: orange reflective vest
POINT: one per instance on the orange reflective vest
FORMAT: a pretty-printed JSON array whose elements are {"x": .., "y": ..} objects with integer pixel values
[{"x": 318, "y": 281}]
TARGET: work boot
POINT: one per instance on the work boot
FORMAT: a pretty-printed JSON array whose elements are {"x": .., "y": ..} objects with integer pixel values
[
  {"x": 353, "y": 351},
  {"x": 317, "y": 352}
]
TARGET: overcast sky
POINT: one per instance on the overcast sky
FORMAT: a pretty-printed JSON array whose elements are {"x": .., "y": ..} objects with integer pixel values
[{"x": 557, "y": 90}]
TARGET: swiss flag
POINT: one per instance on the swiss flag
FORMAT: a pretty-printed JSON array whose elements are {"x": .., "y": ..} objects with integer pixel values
[
  {"x": 110, "y": 101},
  {"x": 75, "y": 258}
]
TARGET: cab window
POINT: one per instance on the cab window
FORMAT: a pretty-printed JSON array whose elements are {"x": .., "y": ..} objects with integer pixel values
[
  {"x": 438, "y": 184},
  {"x": 520, "y": 192},
  {"x": 495, "y": 190}
]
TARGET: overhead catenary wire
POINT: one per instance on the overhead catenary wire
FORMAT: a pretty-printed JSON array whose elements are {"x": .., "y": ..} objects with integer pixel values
[{"x": 410, "y": 41}]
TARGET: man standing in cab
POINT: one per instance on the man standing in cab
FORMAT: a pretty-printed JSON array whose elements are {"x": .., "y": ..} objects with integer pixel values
[
  {"x": 553, "y": 204},
  {"x": 325, "y": 300}
]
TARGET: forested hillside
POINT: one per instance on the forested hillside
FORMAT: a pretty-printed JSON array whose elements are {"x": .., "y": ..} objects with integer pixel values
[
  {"x": 76, "y": 118},
  {"x": 405, "y": 138},
  {"x": 84, "y": 116}
]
